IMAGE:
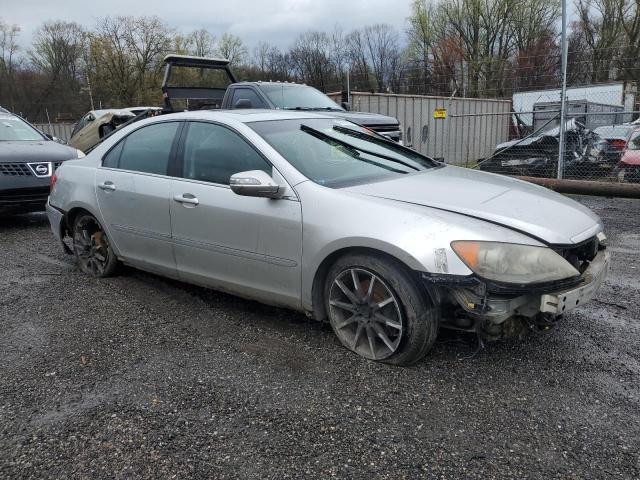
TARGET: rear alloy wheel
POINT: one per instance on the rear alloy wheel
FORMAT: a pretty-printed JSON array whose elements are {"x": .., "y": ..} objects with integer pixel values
[
  {"x": 376, "y": 310},
  {"x": 92, "y": 248}
]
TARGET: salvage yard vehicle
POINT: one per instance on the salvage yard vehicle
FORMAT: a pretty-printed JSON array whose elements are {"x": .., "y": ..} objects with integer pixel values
[
  {"x": 95, "y": 125},
  {"x": 537, "y": 155},
  {"x": 628, "y": 170},
  {"x": 229, "y": 94},
  {"x": 28, "y": 158},
  {"x": 613, "y": 141},
  {"x": 323, "y": 216}
]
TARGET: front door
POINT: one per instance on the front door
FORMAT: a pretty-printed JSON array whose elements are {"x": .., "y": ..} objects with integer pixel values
[
  {"x": 248, "y": 246},
  {"x": 133, "y": 192}
]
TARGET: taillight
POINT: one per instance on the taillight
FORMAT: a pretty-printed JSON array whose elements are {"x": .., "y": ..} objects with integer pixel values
[
  {"x": 619, "y": 144},
  {"x": 54, "y": 179}
]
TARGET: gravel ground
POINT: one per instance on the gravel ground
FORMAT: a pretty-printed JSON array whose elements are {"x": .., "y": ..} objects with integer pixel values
[{"x": 138, "y": 376}]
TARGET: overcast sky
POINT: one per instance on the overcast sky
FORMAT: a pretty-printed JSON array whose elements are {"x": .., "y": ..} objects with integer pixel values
[{"x": 276, "y": 21}]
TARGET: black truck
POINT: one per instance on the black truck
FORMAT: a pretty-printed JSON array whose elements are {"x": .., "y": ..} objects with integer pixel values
[{"x": 214, "y": 86}]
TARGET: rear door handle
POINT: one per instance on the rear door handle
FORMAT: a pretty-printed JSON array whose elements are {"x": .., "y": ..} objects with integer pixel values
[
  {"x": 187, "y": 198},
  {"x": 107, "y": 186}
]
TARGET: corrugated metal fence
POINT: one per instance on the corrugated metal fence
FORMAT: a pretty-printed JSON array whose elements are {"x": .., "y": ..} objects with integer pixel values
[
  {"x": 59, "y": 130},
  {"x": 471, "y": 130}
]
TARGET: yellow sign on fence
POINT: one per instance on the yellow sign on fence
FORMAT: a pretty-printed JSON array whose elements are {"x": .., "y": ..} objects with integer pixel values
[{"x": 440, "y": 113}]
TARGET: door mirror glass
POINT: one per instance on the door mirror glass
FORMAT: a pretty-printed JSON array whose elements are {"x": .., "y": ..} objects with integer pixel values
[
  {"x": 255, "y": 183},
  {"x": 346, "y": 106}
]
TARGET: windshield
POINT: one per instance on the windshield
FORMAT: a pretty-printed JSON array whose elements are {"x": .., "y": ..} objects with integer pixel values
[
  {"x": 634, "y": 143},
  {"x": 291, "y": 97},
  {"x": 14, "y": 129},
  {"x": 337, "y": 153}
]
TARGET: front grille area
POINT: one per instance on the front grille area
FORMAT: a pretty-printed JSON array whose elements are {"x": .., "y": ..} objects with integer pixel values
[
  {"x": 24, "y": 196},
  {"x": 26, "y": 169},
  {"x": 15, "y": 169},
  {"x": 580, "y": 255}
]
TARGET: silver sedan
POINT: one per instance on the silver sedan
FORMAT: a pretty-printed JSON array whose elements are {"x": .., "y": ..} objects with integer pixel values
[{"x": 323, "y": 216}]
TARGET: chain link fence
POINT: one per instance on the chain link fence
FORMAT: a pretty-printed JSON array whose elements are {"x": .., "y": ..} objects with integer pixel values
[{"x": 520, "y": 136}]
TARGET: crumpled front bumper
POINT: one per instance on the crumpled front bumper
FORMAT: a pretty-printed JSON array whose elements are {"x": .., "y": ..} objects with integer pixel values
[
  {"x": 496, "y": 308},
  {"x": 557, "y": 303}
]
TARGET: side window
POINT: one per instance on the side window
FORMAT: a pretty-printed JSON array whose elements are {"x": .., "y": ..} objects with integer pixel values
[
  {"x": 213, "y": 153},
  {"x": 112, "y": 158},
  {"x": 246, "y": 94},
  {"x": 148, "y": 149},
  {"x": 80, "y": 125}
]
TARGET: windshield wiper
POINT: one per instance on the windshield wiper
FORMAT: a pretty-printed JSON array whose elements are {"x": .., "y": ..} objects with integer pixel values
[
  {"x": 352, "y": 148},
  {"x": 353, "y": 151},
  {"x": 379, "y": 140}
]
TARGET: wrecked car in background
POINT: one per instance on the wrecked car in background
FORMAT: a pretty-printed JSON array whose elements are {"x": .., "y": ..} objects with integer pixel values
[
  {"x": 628, "y": 170},
  {"x": 537, "y": 155},
  {"x": 95, "y": 125}
]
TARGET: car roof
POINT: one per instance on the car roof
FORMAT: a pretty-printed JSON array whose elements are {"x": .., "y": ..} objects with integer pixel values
[{"x": 244, "y": 115}]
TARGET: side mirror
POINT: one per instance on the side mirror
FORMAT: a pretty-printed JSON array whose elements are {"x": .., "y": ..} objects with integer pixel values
[
  {"x": 243, "y": 103},
  {"x": 346, "y": 106},
  {"x": 255, "y": 183},
  {"x": 90, "y": 118}
]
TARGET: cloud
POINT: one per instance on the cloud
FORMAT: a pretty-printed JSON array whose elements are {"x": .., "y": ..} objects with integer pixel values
[{"x": 274, "y": 21}]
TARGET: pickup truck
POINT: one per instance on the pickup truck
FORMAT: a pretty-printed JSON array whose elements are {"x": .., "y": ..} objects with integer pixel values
[{"x": 267, "y": 95}]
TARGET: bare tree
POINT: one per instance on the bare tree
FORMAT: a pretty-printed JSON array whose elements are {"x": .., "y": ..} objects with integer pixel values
[
  {"x": 232, "y": 48},
  {"x": 260, "y": 57},
  {"x": 127, "y": 57},
  {"x": 420, "y": 43},
  {"x": 356, "y": 57},
  {"x": 8, "y": 60},
  {"x": 202, "y": 43},
  {"x": 601, "y": 26},
  {"x": 383, "y": 50},
  {"x": 310, "y": 59}
]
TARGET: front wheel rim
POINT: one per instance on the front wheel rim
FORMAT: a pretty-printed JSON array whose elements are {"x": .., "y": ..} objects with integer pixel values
[
  {"x": 91, "y": 246},
  {"x": 365, "y": 313}
]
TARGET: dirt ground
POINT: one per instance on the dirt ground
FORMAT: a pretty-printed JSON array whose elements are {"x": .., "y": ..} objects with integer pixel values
[{"x": 138, "y": 376}]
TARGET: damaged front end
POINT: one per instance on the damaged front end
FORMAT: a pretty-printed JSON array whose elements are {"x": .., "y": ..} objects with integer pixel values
[{"x": 496, "y": 310}]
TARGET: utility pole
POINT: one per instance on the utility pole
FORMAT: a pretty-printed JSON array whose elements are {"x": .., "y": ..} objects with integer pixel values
[
  {"x": 563, "y": 99},
  {"x": 348, "y": 85},
  {"x": 90, "y": 93}
]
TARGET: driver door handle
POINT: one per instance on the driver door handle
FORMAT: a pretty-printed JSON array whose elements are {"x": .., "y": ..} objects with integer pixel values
[
  {"x": 187, "y": 198},
  {"x": 107, "y": 186}
]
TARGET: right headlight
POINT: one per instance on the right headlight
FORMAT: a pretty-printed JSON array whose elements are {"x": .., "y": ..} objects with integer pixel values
[{"x": 513, "y": 263}]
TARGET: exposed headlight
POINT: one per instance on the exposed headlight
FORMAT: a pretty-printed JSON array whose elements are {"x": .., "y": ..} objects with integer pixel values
[
  {"x": 80, "y": 153},
  {"x": 513, "y": 263}
]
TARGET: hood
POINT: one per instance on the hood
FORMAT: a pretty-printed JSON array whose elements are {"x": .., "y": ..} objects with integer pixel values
[
  {"x": 40, "y": 151},
  {"x": 522, "y": 206},
  {"x": 366, "y": 119}
]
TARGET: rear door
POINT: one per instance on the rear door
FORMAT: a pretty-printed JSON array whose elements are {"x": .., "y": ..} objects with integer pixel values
[
  {"x": 246, "y": 245},
  {"x": 133, "y": 191}
]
